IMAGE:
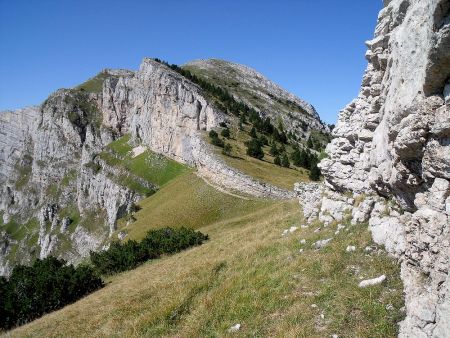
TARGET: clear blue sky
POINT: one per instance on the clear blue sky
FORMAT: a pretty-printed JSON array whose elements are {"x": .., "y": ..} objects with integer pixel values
[{"x": 313, "y": 48}]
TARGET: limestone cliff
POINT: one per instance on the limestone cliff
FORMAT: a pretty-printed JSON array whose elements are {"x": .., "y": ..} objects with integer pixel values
[
  {"x": 59, "y": 193},
  {"x": 391, "y": 149}
]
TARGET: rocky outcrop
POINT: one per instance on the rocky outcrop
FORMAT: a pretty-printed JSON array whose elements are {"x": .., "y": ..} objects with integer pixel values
[
  {"x": 51, "y": 170},
  {"x": 44, "y": 153},
  {"x": 391, "y": 149},
  {"x": 166, "y": 112}
]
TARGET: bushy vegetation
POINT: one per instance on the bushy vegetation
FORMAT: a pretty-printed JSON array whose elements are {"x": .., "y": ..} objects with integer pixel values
[
  {"x": 215, "y": 139},
  {"x": 254, "y": 149},
  {"x": 225, "y": 133},
  {"x": 50, "y": 284},
  {"x": 45, "y": 286},
  {"x": 125, "y": 256},
  {"x": 227, "y": 149}
]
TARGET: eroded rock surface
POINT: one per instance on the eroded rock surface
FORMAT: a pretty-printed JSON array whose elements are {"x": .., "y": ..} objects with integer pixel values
[
  {"x": 60, "y": 197},
  {"x": 391, "y": 151}
]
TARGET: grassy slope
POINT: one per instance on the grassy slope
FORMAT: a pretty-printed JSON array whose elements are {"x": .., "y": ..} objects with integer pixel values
[
  {"x": 187, "y": 201},
  {"x": 151, "y": 167},
  {"x": 246, "y": 273},
  {"x": 226, "y": 76},
  {"x": 264, "y": 170},
  {"x": 94, "y": 84}
]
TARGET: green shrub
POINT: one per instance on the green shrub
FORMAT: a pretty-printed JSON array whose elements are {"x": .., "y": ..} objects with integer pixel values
[
  {"x": 274, "y": 150},
  {"x": 125, "y": 256},
  {"x": 263, "y": 141},
  {"x": 225, "y": 133},
  {"x": 285, "y": 161},
  {"x": 215, "y": 140},
  {"x": 213, "y": 134},
  {"x": 277, "y": 160},
  {"x": 254, "y": 149},
  {"x": 314, "y": 173},
  {"x": 45, "y": 286},
  {"x": 227, "y": 149}
]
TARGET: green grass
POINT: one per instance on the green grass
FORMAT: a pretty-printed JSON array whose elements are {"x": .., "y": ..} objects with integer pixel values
[
  {"x": 19, "y": 231},
  {"x": 120, "y": 146},
  {"x": 187, "y": 201},
  {"x": 264, "y": 170},
  {"x": 24, "y": 173},
  {"x": 151, "y": 167},
  {"x": 69, "y": 178},
  {"x": 246, "y": 273}
]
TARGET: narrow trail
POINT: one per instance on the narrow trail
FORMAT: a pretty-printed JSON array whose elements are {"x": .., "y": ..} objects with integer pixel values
[{"x": 221, "y": 189}]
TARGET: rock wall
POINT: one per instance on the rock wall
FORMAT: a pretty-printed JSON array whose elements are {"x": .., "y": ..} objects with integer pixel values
[
  {"x": 166, "y": 112},
  {"x": 44, "y": 152},
  {"x": 391, "y": 149},
  {"x": 49, "y": 162}
]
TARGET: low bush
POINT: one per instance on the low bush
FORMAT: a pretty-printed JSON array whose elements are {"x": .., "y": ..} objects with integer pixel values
[
  {"x": 125, "y": 256},
  {"x": 227, "y": 149},
  {"x": 45, "y": 286},
  {"x": 215, "y": 140},
  {"x": 225, "y": 133}
]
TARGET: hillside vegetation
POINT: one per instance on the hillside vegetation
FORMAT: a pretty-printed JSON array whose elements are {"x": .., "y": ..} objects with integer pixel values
[{"x": 247, "y": 273}]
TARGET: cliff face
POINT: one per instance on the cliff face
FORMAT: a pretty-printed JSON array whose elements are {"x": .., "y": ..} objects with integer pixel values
[
  {"x": 165, "y": 112},
  {"x": 391, "y": 148},
  {"x": 160, "y": 108},
  {"x": 59, "y": 193}
]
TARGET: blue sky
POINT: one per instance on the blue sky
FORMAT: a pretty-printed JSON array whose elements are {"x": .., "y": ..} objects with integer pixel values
[{"x": 313, "y": 48}]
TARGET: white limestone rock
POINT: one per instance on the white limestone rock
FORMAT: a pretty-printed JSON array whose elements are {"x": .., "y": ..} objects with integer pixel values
[
  {"x": 393, "y": 141},
  {"x": 373, "y": 281}
]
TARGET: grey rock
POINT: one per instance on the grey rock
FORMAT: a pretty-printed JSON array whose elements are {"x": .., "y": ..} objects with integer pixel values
[
  {"x": 322, "y": 243},
  {"x": 392, "y": 143}
]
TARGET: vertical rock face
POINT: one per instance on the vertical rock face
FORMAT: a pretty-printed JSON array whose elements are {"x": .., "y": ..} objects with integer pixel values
[
  {"x": 160, "y": 108},
  {"x": 393, "y": 142},
  {"x": 164, "y": 111},
  {"x": 53, "y": 180}
]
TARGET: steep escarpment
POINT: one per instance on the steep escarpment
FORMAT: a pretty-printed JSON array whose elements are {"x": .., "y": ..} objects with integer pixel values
[
  {"x": 45, "y": 203},
  {"x": 73, "y": 166},
  {"x": 166, "y": 112},
  {"x": 391, "y": 151}
]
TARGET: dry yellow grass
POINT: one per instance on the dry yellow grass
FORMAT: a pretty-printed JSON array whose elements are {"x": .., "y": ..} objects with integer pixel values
[
  {"x": 187, "y": 201},
  {"x": 246, "y": 273}
]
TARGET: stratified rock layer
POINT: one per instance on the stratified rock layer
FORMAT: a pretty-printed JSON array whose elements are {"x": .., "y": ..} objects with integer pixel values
[
  {"x": 392, "y": 143},
  {"x": 53, "y": 181}
]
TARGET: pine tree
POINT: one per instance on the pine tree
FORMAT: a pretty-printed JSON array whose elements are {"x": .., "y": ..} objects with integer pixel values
[
  {"x": 225, "y": 133},
  {"x": 253, "y": 133},
  {"x": 285, "y": 161},
  {"x": 314, "y": 173},
  {"x": 273, "y": 149},
  {"x": 254, "y": 149},
  {"x": 296, "y": 157},
  {"x": 277, "y": 160}
]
